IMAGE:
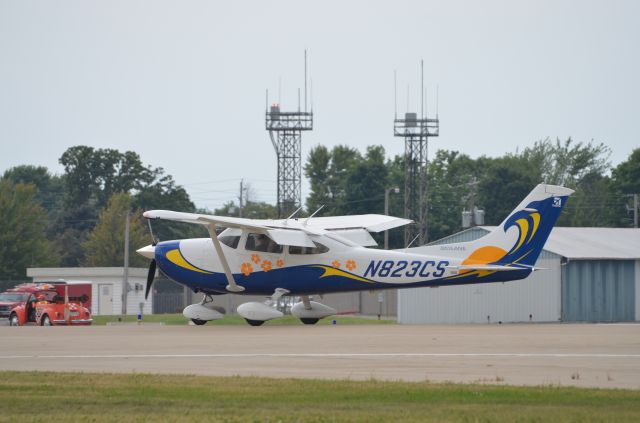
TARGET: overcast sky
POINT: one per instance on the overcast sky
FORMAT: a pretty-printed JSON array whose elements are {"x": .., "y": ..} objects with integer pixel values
[{"x": 183, "y": 82}]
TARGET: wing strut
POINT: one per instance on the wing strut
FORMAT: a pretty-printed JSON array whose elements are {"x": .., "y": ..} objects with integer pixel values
[{"x": 232, "y": 287}]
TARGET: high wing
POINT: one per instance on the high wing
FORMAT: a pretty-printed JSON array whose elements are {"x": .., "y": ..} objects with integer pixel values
[
  {"x": 281, "y": 236},
  {"x": 294, "y": 231},
  {"x": 370, "y": 222}
]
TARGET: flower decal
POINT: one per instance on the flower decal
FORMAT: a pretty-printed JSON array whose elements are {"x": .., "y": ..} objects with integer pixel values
[
  {"x": 255, "y": 258},
  {"x": 351, "y": 264},
  {"x": 336, "y": 264},
  {"x": 246, "y": 269},
  {"x": 266, "y": 265},
  {"x": 280, "y": 263}
]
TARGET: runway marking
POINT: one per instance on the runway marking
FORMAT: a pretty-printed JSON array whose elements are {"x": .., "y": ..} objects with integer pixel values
[{"x": 328, "y": 355}]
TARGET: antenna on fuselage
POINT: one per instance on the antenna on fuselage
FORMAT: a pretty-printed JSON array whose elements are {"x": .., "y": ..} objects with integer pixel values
[
  {"x": 292, "y": 214},
  {"x": 412, "y": 241},
  {"x": 313, "y": 214}
]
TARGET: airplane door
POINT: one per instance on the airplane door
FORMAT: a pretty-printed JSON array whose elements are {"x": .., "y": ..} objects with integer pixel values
[
  {"x": 105, "y": 294},
  {"x": 262, "y": 255}
]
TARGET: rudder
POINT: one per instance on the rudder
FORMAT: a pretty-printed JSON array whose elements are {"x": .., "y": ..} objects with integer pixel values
[{"x": 521, "y": 236}]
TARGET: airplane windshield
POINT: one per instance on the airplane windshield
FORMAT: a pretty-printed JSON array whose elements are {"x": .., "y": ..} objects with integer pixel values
[{"x": 230, "y": 240}]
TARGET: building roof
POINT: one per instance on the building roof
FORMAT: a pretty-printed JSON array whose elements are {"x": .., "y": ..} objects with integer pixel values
[
  {"x": 592, "y": 243},
  {"x": 83, "y": 272}
]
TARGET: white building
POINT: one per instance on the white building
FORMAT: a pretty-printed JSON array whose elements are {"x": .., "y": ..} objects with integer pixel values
[
  {"x": 106, "y": 286},
  {"x": 593, "y": 275}
]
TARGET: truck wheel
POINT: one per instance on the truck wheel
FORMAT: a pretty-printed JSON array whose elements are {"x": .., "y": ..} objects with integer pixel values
[
  {"x": 13, "y": 320},
  {"x": 45, "y": 321}
]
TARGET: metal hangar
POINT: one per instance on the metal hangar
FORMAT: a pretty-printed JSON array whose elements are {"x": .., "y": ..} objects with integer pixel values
[{"x": 591, "y": 275}]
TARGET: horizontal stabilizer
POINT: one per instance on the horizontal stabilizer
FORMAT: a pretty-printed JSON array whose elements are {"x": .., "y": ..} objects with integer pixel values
[{"x": 492, "y": 267}]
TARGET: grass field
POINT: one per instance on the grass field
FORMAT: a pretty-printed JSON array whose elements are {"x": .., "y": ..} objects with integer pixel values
[
  {"x": 179, "y": 319},
  {"x": 64, "y": 397}
]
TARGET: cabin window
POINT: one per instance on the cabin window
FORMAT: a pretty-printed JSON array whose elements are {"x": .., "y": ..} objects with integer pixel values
[
  {"x": 318, "y": 249},
  {"x": 262, "y": 243},
  {"x": 230, "y": 237}
]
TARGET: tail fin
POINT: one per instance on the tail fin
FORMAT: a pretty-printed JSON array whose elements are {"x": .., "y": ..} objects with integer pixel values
[{"x": 521, "y": 236}]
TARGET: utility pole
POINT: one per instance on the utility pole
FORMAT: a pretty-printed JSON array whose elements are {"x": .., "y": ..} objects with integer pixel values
[
  {"x": 241, "y": 195},
  {"x": 386, "y": 212},
  {"x": 635, "y": 209},
  {"x": 125, "y": 278}
]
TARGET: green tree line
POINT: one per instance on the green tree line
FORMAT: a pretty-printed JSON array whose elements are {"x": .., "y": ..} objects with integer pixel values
[
  {"x": 78, "y": 218},
  {"x": 348, "y": 182}
]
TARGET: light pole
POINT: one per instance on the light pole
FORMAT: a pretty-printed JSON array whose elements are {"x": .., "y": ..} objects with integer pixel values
[{"x": 396, "y": 190}]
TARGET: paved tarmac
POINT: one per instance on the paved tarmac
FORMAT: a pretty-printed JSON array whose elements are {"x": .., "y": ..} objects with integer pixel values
[{"x": 595, "y": 355}]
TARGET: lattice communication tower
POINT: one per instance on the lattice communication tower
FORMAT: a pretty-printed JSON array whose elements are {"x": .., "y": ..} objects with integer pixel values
[
  {"x": 416, "y": 131},
  {"x": 285, "y": 131}
]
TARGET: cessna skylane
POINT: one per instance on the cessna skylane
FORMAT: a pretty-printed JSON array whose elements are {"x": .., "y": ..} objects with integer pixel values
[{"x": 301, "y": 257}]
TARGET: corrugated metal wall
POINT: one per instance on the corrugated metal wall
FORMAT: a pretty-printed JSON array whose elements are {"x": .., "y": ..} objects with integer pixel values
[
  {"x": 637, "y": 290},
  {"x": 536, "y": 299},
  {"x": 598, "y": 291}
]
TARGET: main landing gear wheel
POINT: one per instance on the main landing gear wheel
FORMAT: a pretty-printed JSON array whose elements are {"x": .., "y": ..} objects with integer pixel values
[
  {"x": 308, "y": 321},
  {"x": 255, "y": 322},
  {"x": 198, "y": 322},
  {"x": 46, "y": 321}
]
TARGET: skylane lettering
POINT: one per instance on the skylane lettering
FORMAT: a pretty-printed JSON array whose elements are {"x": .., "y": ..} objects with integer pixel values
[{"x": 405, "y": 269}]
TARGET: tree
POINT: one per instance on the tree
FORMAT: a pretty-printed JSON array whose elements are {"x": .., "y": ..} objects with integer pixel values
[
  {"x": 251, "y": 210},
  {"x": 626, "y": 175},
  {"x": 366, "y": 181},
  {"x": 317, "y": 171},
  {"x": 22, "y": 231},
  {"x": 595, "y": 203},
  {"x": 105, "y": 244},
  {"x": 327, "y": 173},
  {"x": 92, "y": 176},
  {"x": 164, "y": 194},
  {"x": 507, "y": 181},
  {"x": 566, "y": 163},
  {"x": 49, "y": 188},
  {"x": 625, "y": 183}
]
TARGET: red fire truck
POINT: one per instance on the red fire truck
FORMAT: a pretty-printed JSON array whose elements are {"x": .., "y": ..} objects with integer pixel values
[{"x": 45, "y": 304}]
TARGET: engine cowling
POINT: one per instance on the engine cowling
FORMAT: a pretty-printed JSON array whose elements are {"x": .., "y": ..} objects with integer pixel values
[{"x": 317, "y": 311}]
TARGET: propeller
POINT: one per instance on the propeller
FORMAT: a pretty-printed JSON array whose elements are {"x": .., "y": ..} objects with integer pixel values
[
  {"x": 150, "y": 277},
  {"x": 152, "y": 266}
]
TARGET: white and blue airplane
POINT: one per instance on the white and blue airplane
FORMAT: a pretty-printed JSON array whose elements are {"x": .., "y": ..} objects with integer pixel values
[{"x": 319, "y": 255}]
